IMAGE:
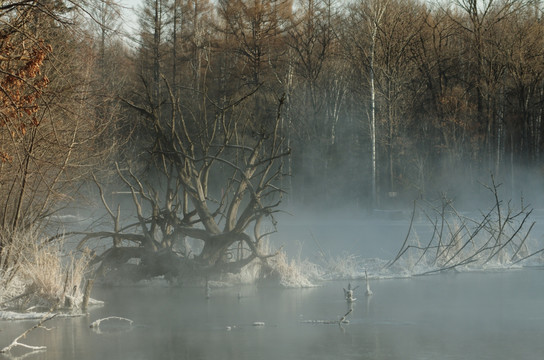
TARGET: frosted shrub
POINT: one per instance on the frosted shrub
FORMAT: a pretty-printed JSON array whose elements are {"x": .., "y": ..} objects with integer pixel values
[
  {"x": 40, "y": 274},
  {"x": 52, "y": 282},
  {"x": 43, "y": 271},
  {"x": 346, "y": 266},
  {"x": 289, "y": 273}
]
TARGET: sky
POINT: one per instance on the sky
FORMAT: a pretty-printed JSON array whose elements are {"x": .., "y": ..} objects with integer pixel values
[{"x": 130, "y": 7}]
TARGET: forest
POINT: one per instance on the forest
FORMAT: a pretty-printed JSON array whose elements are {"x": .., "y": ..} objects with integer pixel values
[
  {"x": 382, "y": 98},
  {"x": 213, "y": 115}
]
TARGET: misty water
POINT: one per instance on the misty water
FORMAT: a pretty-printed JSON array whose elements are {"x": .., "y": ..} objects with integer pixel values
[
  {"x": 480, "y": 315},
  {"x": 493, "y": 314}
]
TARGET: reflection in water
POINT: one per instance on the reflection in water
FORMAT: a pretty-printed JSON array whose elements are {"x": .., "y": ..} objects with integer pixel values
[
  {"x": 33, "y": 354},
  {"x": 459, "y": 316}
]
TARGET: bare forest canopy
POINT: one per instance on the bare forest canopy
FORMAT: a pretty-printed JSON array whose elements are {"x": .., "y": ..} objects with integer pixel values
[
  {"x": 385, "y": 99},
  {"x": 223, "y": 109}
]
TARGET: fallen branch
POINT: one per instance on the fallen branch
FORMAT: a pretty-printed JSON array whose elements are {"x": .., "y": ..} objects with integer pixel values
[
  {"x": 339, "y": 322},
  {"x": 457, "y": 240},
  {"x": 16, "y": 342},
  {"x": 343, "y": 318},
  {"x": 96, "y": 323}
]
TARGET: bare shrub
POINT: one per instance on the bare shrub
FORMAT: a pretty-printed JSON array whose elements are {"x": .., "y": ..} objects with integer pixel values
[{"x": 498, "y": 237}]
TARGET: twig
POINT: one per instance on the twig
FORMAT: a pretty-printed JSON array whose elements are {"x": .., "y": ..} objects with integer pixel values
[
  {"x": 512, "y": 237},
  {"x": 430, "y": 241},
  {"x": 523, "y": 241},
  {"x": 405, "y": 239},
  {"x": 528, "y": 256}
]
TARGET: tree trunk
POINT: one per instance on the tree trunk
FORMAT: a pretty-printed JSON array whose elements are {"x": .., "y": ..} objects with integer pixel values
[{"x": 214, "y": 252}]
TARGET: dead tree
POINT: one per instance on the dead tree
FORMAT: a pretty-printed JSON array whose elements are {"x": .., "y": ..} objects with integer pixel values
[{"x": 215, "y": 181}]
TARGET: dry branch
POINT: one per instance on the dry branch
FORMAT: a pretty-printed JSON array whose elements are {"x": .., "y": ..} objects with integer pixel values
[
  {"x": 16, "y": 342},
  {"x": 458, "y": 241}
]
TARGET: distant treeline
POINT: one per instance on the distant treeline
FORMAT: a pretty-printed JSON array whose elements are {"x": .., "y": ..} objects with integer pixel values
[
  {"x": 384, "y": 100},
  {"x": 455, "y": 90}
]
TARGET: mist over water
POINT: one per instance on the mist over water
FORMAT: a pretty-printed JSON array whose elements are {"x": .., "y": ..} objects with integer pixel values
[
  {"x": 492, "y": 312},
  {"x": 362, "y": 240},
  {"x": 336, "y": 233}
]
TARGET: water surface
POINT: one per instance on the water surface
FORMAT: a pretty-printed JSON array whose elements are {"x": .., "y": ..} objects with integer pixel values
[{"x": 484, "y": 315}]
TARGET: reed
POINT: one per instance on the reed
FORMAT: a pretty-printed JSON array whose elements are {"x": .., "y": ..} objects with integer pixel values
[{"x": 40, "y": 274}]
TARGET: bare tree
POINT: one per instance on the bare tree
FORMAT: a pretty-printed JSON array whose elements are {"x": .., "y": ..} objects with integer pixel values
[
  {"x": 214, "y": 179},
  {"x": 361, "y": 48},
  {"x": 483, "y": 18},
  {"x": 50, "y": 139}
]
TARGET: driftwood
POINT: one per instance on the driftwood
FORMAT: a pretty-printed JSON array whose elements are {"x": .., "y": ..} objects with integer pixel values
[
  {"x": 16, "y": 342},
  {"x": 96, "y": 324},
  {"x": 343, "y": 318},
  {"x": 348, "y": 294}
]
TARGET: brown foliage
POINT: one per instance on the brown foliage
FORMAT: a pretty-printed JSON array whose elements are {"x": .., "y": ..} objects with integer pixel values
[{"x": 21, "y": 84}]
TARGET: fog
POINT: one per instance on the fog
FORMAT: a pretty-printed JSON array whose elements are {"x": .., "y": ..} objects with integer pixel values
[
  {"x": 355, "y": 227},
  {"x": 474, "y": 312},
  {"x": 321, "y": 232},
  {"x": 377, "y": 235}
]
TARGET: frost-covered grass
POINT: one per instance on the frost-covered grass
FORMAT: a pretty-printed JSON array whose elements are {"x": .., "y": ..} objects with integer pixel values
[
  {"x": 53, "y": 282},
  {"x": 343, "y": 266},
  {"x": 293, "y": 273},
  {"x": 297, "y": 272},
  {"x": 278, "y": 270},
  {"x": 39, "y": 275}
]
